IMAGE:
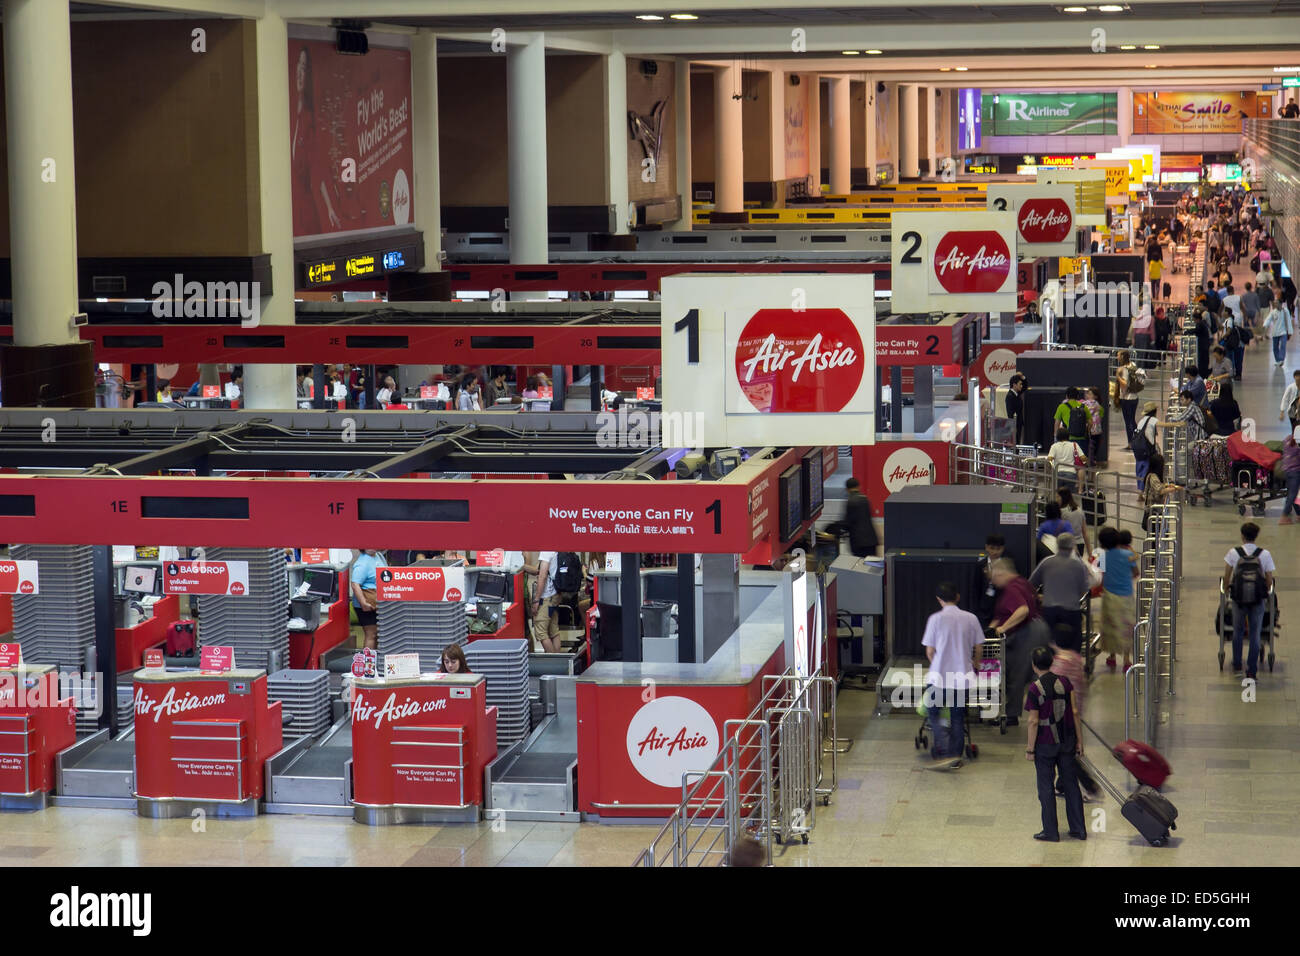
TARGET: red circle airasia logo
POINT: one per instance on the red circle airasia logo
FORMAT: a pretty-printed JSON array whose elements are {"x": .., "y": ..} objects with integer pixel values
[
  {"x": 453, "y": 594},
  {"x": 26, "y": 587},
  {"x": 237, "y": 587},
  {"x": 1045, "y": 220},
  {"x": 808, "y": 361},
  {"x": 972, "y": 261}
]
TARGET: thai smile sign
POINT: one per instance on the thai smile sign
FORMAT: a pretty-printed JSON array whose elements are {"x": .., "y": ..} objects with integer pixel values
[{"x": 1192, "y": 112}]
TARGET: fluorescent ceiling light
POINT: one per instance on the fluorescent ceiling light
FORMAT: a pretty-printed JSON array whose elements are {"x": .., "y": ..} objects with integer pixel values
[
  {"x": 1128, "y": 46},
  {"x": 1151, "y": 66},
  {"x": 648, "y": 16},
  {"x": 962, "y": 69},
  {"x": 945, "y": 69},
  {"x": 1111, "y": 8},
  {"x": 1074, "y": 9},
  {"x": 851, "y": 52},
  {"x": 874, "y": 52},
  {"x": 683, "y": 16},
  {"x": 1151, "y": 46},
  {"x": 1286, "y": 69}
]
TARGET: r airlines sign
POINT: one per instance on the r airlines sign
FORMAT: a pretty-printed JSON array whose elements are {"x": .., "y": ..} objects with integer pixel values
[
  {"x": 953, "y": 262},
  {"x": 1044, "y": 216},
  {"x": 770, "y": 359}
]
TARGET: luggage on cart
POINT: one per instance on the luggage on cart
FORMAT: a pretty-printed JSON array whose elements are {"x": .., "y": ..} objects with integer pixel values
[
  {"x": 181, "y": 640},
  {"x": 1241, "y": 450},
  {"x": 1210, "y": 460},
  {"x": 1149, "y": 810},
  {"x": 1142, "y": 760},
  {"x": 1224, "y": 624}
]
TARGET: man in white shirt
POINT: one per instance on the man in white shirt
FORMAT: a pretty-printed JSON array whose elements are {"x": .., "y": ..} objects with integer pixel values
[
  {"x": 951, "y": 637},
  {"x": 1289, "y": 396},
  {"x": 1257, "y": 580}
]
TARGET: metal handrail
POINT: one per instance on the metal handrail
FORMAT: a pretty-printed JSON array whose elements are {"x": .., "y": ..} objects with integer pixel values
[{"x": 1128, "y": 676}]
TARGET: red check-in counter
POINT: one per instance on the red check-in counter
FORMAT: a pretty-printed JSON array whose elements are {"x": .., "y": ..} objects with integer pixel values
[
  {"x": 641, "y": 726},
  {"x": 202, "y": 739},
  {"x": 419, "y": 747},
  {"x": 34, "y": 726},
  {"x": 132, "y": 642},
  {"x": 306, "y": 648}
]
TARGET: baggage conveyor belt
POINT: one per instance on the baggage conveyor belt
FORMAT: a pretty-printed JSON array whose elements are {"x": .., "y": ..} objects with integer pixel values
[
  {"x": 536, "y": 778},
  {"x": 97, "y": 771},
  {"x": 313, "y": 778}
]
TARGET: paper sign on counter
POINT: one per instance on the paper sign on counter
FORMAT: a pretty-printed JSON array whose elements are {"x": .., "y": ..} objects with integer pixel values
[
  {"x": 11, "y": 656},
  {"x": 217, "y": 660},
  {"x": 401, "y": 665}
]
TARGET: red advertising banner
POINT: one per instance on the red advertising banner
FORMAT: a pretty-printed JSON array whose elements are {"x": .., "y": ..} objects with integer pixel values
[
  {"x": 420, "y": 584},
  {"x": 206, "y": 577},
  {"x": 780, "y": 345},
  {"x": 997, "y": 361},
  {"x": 217, "y": 660},
  {"x": 11, "y": 656},
  {"x": 970, "y": 262},
  {"x": 350, "y": 122},
  {"x": 19, "y": 577},
  {"x": 887, "y": 466}
]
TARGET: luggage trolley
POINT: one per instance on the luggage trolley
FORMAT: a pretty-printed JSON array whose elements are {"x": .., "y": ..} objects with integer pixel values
[{"x": 1268, "y": 629}]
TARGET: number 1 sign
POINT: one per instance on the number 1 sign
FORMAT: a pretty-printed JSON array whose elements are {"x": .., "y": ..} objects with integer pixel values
[{"x": 769, "y": 359}]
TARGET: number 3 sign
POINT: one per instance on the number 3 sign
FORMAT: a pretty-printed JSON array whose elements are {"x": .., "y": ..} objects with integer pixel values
[{"x": 946, "y": 262}]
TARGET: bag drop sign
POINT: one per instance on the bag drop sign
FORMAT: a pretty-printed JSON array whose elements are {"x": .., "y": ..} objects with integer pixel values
[
  {"x": 228, "y": 578},
  {"x": 420, "y": 584},
  {"x": 810, "y": 361},
  {"x": 19, "y": 577}
]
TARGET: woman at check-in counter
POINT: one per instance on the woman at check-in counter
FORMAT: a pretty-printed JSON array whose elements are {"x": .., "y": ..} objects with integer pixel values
[
  {"x": 453, "y": 660},
  {"x": 364, "y": 597}
]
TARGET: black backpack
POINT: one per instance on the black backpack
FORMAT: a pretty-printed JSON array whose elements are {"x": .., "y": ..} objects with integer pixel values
[
  {"x": 1078, "y": 421},
  {"x": 568, "y": 573},
  {"x": 1248, "y": 585},
  {"x": 1232, "y": 340},
  {"x": 1142, "y": 447}
]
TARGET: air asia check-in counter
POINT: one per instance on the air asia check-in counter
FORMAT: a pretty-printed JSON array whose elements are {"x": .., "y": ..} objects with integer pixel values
[{"x": 35, "y": 724}]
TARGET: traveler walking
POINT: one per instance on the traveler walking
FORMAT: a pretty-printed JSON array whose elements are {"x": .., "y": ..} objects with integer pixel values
[
  {"x": 1290, "y": 407},
  {"x": 1053, "y": 744},
  {"x": 1016, "y": 403},
  {"x": 1279, "y": 326},
  {"x": 1155, "y": 490},
  {"x": 1144, "y": 440},
  {"x": 1225, "y": 411},
  {"x": 1072, "y": 513},
  {"x": 1119, "y": 569},
  {"x": 1096, "y": 422},
  {"x": 1291, "y": 469},
  {"x": 1143, "y": 331},
  {"x": 1068, "y": 663},
  {"x": 1072, "y": 416},
  {"x": 1066, "y": 456},
  {"x": 1247, "y": 580},
  {"x": 1129, "y": 382},
  {"x": 1064, "y": 581},
  {"x": 950, "y": 641},
  {"x": 1250, "y": 305},
  {"x": 995, "y": 546},
  {"x": 857, "y": 521},
  {"x": 1221, "y": 368},
  {"x": 1016, "y": 618}
]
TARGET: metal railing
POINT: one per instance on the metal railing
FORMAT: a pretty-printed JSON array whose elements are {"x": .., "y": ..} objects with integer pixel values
[
  {"x": 765, "y": 782},
  {"x": 1155, "y": 636}
]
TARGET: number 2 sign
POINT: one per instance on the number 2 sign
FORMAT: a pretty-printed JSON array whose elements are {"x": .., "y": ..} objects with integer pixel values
[{"x": 946, "y": 262}]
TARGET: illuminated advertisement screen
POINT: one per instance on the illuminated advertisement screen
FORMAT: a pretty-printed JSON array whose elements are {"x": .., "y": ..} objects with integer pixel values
[{"x": 968, "y": 119}]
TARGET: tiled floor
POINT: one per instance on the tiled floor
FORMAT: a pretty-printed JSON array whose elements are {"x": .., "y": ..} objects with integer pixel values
[{"x": 1236, "y": 782}]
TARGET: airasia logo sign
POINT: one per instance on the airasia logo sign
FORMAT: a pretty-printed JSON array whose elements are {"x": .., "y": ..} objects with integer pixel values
[
  {"x": 999, "y": 366},
  {"x": 1045, "y": 220},
  {"x": 808, "y": 361},
  {"x": 907, "y": 466},
  {"x": 671, "y": 736},
  {"x": 973, "y": 261}
]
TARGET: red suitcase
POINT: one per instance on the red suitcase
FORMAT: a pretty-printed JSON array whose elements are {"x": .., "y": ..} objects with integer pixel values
[{"x": 1143, "y": 761}]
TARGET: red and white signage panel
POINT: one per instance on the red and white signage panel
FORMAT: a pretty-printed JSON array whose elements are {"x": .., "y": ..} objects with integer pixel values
[
  {"x": 218, "y": 660},
  {"x": 490, "y": 559},
  {"x": 953, "y": 262},
  {"x": 916, "y": 345},
  {"x": 206, "y": 577},
  {"x": 997, "y": 361},
  {"x": 19, "y": 577},
  {"x": 420, "y": 584},
  {"x": 11, "y": 656},
  {"x": 645, "y": 392},
  {"x": 315, "y": 555},
  {"x": 211, "y": 391},
  {"x": 786, "y": 359},
  {"x": 887, "y": 467},
  {"x": 670, "y": 736},
  {"x": 153, "y": 659},
  {"x": 1044, "y": 215}
]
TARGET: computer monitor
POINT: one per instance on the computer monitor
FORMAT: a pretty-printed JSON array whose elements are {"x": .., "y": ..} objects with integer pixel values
[
  {"x": 791, "y": 499},
  {"x": 140, "y": 580},
  {"x": 321, "y": 583},
  {"x": 661, "y": 587},
  {"x": 491, "y": 586},
  {"x": 812, "y": 484}
]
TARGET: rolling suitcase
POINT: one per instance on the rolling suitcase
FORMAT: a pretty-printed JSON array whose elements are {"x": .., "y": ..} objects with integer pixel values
[
  {"x": 1143, "y": 761},
  {"x": 1149, "y": 810},
  {"x": 180, "y": 639},
  {"x": 1094, "y": 508}
]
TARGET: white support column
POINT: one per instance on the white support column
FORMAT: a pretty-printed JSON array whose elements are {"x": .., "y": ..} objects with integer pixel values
[
  {"x": 1124, "y": 114},
  {"x": 682, "y": 118},
  {"x": 42, "y": 171},
  {"x": 931, "y": 128},
  {"x": 869, "y": 130},
  {"x": 729, "y": 142},
  {"x": 274, "y": 386},
  {"x": 814, "y": 82},
  {"x": 780, "y": 83},
  {"x": 908, "y": 165},
  {"x": 526, "y": 124},
  {"x": 841, "y": 166},
  {"x": 617, "y": 135},
  {"x": 427, "y": 185}
]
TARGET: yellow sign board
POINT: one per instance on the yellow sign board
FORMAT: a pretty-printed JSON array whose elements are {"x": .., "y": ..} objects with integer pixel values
[
  {"x": 360, "y": 265},
  {"x": 1072, "y": 265}
]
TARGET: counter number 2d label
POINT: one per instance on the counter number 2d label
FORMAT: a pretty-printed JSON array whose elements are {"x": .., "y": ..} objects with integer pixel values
[
  {"x": 768, "y": 359},
  {"x": 953, "y": 262}
]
